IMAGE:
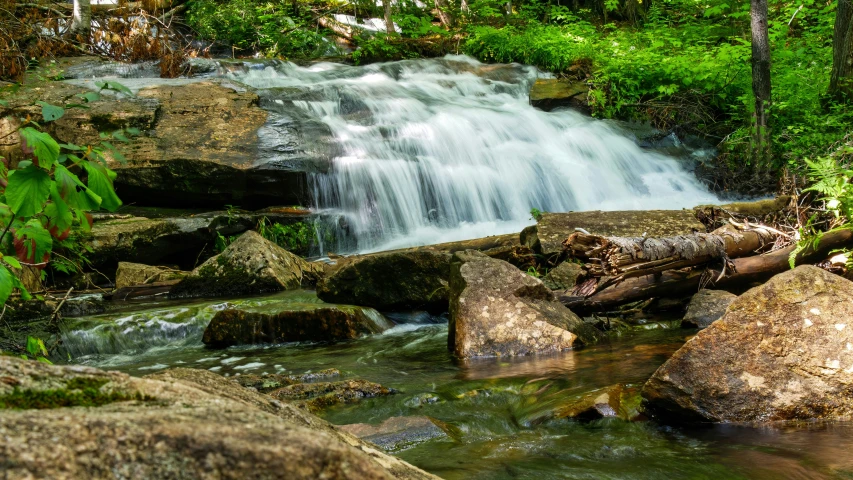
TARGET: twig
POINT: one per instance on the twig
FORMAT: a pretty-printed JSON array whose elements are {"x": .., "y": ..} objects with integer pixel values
[{"x": 56, "y": 310}]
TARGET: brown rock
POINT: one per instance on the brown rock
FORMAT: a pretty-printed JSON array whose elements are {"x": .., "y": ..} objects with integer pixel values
[
  {"x": 563, "y": 276},
  {"x": 550, "y": 93},
  {"x": 131, "y": 274},
  {"x": 161, "y": 427},
  {"x": 782, "y": 351},
  {"x": 317, "y": 396},
  {"x": 398, "y": 433},
  {"x": 706, "y": 307},
  {"x": 617, "y": 401},
  {"x": 496, "y": 309}
]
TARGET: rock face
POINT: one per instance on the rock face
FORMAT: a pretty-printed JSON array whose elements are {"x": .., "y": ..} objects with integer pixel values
[
  {"x": 320, "y": 323},
  {"x": 496, "y": 309},
  {"x": 550, "y": 93},
  {"x": 782, "y": 351},
  {"x": 552, "y": 228},
  {"x": 130, "y": 274},
  {"x": 406, "y": 280},
  {"x": 706, "y": 307},
  {"x": 563, "y": 276},
  {"x": 398, "y": 433},
  {"x": 160, "y": 427},
  {"x": 251, "y": 264}
]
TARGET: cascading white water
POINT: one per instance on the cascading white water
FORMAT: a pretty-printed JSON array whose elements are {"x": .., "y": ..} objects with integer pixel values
[{"x": 447, "y": 149}]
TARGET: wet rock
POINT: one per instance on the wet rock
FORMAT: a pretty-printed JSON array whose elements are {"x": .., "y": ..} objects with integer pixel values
[
  {"x": 308, "y": 323},
  {"x": 550, "y": 93},
  {"x": 706, "y": 307},
  {"x": 552, "y": 228},
  {"x": 617, "y": 401},
  {"x": 273, "y": 381},
  {"x": 251, "y": 264},
  {"x": 130, "y": 274},
  {"x": 160, "y": 427},
  {"x": 563, "y": 276},
  {"x": 782, "y": 351},
  {"x": 317, "y": 396},
  {"x": 496, "y": 309},
  {"x": 398, "y": 433},
  {"x": 407, "y": 280}
]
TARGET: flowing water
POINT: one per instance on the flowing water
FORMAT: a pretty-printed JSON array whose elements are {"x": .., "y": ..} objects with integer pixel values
[
  {"x": 427, "y": 151},
  {"x": 499, "y": 411}
]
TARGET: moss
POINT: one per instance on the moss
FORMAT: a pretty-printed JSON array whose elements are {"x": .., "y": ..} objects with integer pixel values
[{"x": 78, "y": 393}]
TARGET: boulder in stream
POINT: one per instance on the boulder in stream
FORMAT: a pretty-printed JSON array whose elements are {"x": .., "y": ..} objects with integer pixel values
[
  {"x": 402, "y": 280},
  {"x": 496, "y": 309},
  {"x": 782, "y": 351},
  {"x": 550, "y": 93},
  {"x": 304, "y": 322},
  {"x": 399, "y": 433},
  {"x": 706, "y": 307},
  {"x": 131, "y": 274},
  {"x": 69, "y": 422},
  {"x": 616, "y": 401},
  {"x": 251, "y": 264},
  {"x": 317, "y": 396}
]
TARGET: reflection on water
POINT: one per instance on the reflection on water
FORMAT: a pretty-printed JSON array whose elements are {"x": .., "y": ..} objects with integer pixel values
[{"x": 502, "y": 411}]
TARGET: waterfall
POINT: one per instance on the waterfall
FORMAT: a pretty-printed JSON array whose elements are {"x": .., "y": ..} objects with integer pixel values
[{"x": 426, "y": 151}]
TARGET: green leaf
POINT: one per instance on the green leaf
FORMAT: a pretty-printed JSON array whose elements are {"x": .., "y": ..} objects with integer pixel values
[
  {"x": 36, "y": 239},
  {"x": 90, "y": 96},
  {"x": 5, "y": 283},
  {"x": 75, "y": 193},
  {"x": 44, "y": 360},
  {"x": 101, "y": 182},
  {"x": 4, "y": 103},
  {"x": 35, "y": 346},
  {"x": 12, "y": 261},
  {"x": 43, "y": 145},
  {"x": 115, "y": 86},
  {"x": 58, "y": 214},
  {"x": 50, "y": 112},
  {"x": 27, "y": 191},
  {"x": 116, "y": 154}
]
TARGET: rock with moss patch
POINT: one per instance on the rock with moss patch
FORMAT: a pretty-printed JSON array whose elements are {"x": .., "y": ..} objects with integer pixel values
[
  {"x": 309, "y": 322},
  {"x": 317, "y": 396},
  {"x": 782, "y": 351},
  {"x": 131, "y": 274},
  {"x": 404, "y": 280},
  {"x": 266, "y": 383},
  {"x": 251, "y": 264},
  {"x": 563, "y": 276},
  {"x": 706, "y": 307},
  {"x": 496, "y": 309},
  {"x": 160, "y": 427}
]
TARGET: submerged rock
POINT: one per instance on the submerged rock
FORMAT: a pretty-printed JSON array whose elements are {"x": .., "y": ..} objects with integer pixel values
[
  {"x": 706, "y": 307},
  {"x": 131, "y": 274},
  {"x": 273, "y": 381},
  {"x": 160, "y": 427},
  {"x": 617, "y": 401},
  {"x": 308, "y": 323},
  {"x": 251, "y": 264},
  {"x": 398, "y": 433},
  {"x": 317, "y": 396},
  {"x": 404, "y": 280},
  {"x": 782, "y": 351},
  {"x": 496, "y": 309}
]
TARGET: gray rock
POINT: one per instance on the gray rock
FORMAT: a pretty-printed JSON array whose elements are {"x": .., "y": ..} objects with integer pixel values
[
  {"x": 782, "y": 351},
  {"x": 496, "y": 309},
  {"x": 563, "y": 276},
  {"x": 706, "y": 307},
  {"x": 251, "y": 264},
  {"x": 160, "y": 427},
  {"x": 404, "y": 280}
]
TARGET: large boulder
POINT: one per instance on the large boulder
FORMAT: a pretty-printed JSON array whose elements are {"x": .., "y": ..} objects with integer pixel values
[
  {"x": 706, "y": 307},
  {"x": 404, "y": 280},
  {"x": 251, "y": 264},
  {"x": 782, "y": 351},
  {"x": 67, "y": 422},
  {"x": 309, "y": 322},
  {"x": 496, "y": 309}
]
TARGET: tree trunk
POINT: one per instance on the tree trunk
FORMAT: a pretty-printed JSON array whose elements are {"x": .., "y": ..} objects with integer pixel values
[
  {"x": 81, "y": 19},
  {"x": 389, "y": 24},
  {"x": 464, "y": 7},
  {"x": 676, "y": 283},
  {"x": 443, "y": 16},
  {"x": 760, "y": 79},
  {"x": 841, "y": 81}
]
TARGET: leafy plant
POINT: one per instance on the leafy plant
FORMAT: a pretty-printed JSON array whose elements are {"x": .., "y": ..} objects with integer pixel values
[
  {"x": 36, "y": 349},
  {"x": 49, "y": 193},
  {"x": 535, "y": 214}
]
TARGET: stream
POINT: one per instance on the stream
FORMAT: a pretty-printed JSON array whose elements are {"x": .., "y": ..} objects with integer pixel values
[{"x": 500, "y": 410}]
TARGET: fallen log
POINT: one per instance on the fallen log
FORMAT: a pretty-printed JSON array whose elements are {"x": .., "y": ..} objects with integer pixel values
[
  {"x": 673, "y": 283},
  {"x": 612, "y": 260}
]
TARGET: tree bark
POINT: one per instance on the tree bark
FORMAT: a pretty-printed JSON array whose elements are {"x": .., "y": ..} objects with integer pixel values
[
  {"x": 760, "y": 79},
  {"x": 841, "y": 79},
  {"x": 389, "y": 24},
  {"x": 443, "y": 16},
  {"x": 679, "y": 283},
  {"x": 81, "y": 18}
]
